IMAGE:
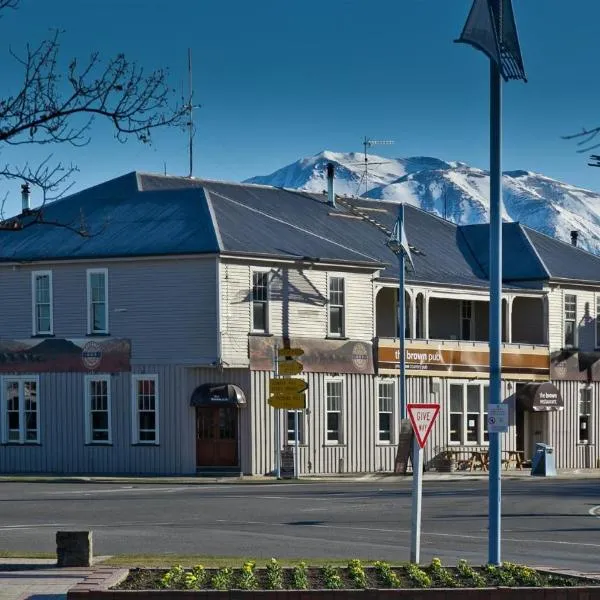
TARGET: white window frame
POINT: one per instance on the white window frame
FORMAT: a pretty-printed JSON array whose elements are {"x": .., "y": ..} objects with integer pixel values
[
  {"x": 393, "y": 384},
  {"x": 342, "y": 421},
  {"x": 580, "y": 400},
  {"x": 330, "y": 305},
  {"x": 267, "y": 303},
  {"x": 90, "y": 315},
  {"x": 597, "y": 321},
  {"x": 88, "y": 410},
  {"x": 34, "y": 303},
  {"x": 471, "y": 318},
  {"x": 301, "y": 428},
  {"x": 21, "y": 380},
  {"x": 564, "y": 321},
  {"x": 482, "y": 428},
  {"x": 135, "y": 421}
]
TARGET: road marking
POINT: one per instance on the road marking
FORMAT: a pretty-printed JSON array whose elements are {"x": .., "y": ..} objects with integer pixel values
[
  {"x": 595, "y": 511},
  {"x": 424, "y": 534},
  {"x": 89, "y": 492},
  {"x": 33, "y": 526}
]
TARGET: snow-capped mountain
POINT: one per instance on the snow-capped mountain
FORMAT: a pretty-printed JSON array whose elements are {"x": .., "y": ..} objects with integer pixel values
[{"x": 452, "y": 190}]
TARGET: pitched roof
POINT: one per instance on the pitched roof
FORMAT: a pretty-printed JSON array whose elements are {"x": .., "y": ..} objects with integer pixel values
[{"x": 145, "y": 215}]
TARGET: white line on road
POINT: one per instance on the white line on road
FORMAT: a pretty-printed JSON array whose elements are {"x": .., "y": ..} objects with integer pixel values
[
  {"x": 595, "y": 511},
  {"x": 89, "y": 492}
]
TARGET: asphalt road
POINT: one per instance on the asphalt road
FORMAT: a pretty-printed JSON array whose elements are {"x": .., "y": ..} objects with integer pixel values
[{"x": 545, "y": 522}]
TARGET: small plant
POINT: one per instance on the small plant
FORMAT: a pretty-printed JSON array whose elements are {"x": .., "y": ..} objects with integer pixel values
[
  {"x": 274, "y": 575},
  {"x": 300, "y": 576},
  {"x": 499, "y": 576},
  {"x": 221, "y": 580},
  {"x": 523, "y": 575},
  {"x": 470, "y": 575},
  {"x": 441, "y": 575},
  {"x": 247, "y": 579},
  {"x": 385, "y": 572},
  {"x": 173, "y": 578},
  {"x": 357, "y": 573},
  {"x": 332, "y": 578},
  {"x": 417, "y": 576}
]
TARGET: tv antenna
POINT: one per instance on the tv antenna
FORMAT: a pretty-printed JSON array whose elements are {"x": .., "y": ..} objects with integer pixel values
[
  {"x": 367, "y": 143},
  {"x": 190, "y": 106},
  {"x": 596, "y": 159}
]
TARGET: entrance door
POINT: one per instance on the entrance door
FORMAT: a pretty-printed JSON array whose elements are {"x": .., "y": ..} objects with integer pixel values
[{"x": 216, "y": 436}]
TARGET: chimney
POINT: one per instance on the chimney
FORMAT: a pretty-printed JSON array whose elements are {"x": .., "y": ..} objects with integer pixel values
[
  {"x": 25, "y": 196},
  {"x": 330, "y": 175},
  {"x": 574, "y": 236}
]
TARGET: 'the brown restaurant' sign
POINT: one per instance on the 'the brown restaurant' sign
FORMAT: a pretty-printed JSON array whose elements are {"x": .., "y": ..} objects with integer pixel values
[
  {"x": 57, "y": 355},
  {"x": 320, "y": 356},
  {"x": 442, "y": 361}
]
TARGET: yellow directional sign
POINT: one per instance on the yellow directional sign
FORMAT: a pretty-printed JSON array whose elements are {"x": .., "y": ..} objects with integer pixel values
[
  {"x": 288, "y": 401},
  {"x": 287, "y": 386},
  {"x": 290, "y": 367},
  {"x": 291, "y": 352}
]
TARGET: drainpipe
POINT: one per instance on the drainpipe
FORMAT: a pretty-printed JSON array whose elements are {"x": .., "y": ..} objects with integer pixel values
[{"x": 330, "y": 176}]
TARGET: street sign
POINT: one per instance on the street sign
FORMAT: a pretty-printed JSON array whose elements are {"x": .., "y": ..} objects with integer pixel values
[
  {"x": 288, "y": 401},
  {"x": 287, "y": 386},
  {"x": 289, "y": 367},
  {"x": 497, "y": 418},
  {"x": 422, "y": 417},
  {"x": 291, "y": 352}
]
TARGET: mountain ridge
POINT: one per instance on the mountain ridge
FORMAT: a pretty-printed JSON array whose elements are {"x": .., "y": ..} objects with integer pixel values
[{"x": 452, "y": 190}]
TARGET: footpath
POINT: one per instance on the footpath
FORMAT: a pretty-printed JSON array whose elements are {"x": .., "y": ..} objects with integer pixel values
[{"x": 41, "y": 579}]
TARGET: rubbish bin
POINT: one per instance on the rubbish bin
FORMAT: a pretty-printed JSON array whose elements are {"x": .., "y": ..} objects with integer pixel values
[{"x": 543, "y": 462}]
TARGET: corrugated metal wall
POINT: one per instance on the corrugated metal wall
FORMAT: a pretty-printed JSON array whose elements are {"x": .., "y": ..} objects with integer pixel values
[{"x": 62, "y": 416}]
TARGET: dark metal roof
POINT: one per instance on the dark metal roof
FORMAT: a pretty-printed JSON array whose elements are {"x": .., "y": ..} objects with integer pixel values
[
  {"x": 563, "y": 260},
  {"x": 520, "y": 261},
  {"x": 144, "y": 215}
]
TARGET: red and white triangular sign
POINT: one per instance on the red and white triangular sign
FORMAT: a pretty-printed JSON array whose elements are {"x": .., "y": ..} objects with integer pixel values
[{"x": 422, "y": 417}]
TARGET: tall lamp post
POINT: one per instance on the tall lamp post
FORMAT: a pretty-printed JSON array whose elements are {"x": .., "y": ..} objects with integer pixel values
[
  {"x": 491, "y": 28},
  {"x": 398, "y": 244}
]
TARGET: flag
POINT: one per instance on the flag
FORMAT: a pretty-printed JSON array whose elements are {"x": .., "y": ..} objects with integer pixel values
[
  {"x": 491, "y": 28},
  {"x": 399, "y": 238}
]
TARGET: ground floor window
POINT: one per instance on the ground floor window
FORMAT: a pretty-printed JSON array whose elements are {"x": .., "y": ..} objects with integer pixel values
[
  {"x": 21, "y": 412},
  {"x": 468, "y": 413},
  {"x": 584, "y": 410},
  {"x": 334, "y": 395},
  {"x": 385, "y": 405},
  {"x": 145, "y": 409},
  {"x": 291, "y": 427},
  {"x": 98, "y": 409}
]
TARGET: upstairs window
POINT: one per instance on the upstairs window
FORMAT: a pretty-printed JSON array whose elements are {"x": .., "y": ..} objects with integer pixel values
[
  {"x": 260, "y": 301},
  {"x": 97, "y": 296},
  {"x": 336, "y": 306},
  {"x": 570, "y": 320},
  {"x": 41, "y": 283},
  {"x": 598, "y": 322},
  {"x": 466, "y": 320}
]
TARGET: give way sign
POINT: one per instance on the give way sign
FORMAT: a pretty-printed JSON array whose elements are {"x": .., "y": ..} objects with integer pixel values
[{"x": 422, "y": 417}]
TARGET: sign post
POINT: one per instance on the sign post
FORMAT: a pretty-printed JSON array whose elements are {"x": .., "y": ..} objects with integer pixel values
[
  {"x": 422, "y": 417},
  {"x": 287, "y": 393}
]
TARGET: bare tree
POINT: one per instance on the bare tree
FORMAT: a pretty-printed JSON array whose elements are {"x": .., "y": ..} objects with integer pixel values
[
  {"x": 586, "y": 139},
  {"x": 55, "y": 105}
]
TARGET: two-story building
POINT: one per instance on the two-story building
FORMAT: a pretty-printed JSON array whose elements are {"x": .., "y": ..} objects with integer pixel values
[{"x": 146, "y": 345}]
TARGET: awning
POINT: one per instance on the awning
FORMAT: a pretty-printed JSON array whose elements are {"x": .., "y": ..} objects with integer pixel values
[
  {"x": 218, "y": 394},
  {"x": 540, "y": 397}
]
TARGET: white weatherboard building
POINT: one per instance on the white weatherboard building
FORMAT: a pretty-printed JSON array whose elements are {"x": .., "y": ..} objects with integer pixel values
[{"x": 147, "y": 347}]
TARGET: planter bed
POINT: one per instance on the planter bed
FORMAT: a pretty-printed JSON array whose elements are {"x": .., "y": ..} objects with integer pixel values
[{"x": 297, "y": 582}]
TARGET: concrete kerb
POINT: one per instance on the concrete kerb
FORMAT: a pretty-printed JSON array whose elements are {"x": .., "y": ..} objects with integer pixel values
[{"x": 269, "y": 480}]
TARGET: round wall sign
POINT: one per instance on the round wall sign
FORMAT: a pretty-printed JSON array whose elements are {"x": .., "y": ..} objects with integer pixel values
[{"x": 91, "y": 355}]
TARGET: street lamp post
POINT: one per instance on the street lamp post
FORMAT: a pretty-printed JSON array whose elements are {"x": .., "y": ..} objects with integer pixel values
[
  {"x": 491, "y": 28},
  {"x": 398, "y": 244}
]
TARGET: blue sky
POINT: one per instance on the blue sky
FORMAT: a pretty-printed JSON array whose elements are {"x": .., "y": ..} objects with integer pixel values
[{"x": 283, "y": 79}]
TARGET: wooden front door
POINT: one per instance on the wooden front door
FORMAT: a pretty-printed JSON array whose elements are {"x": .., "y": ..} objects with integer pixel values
[{"x": 216, "y": 436}]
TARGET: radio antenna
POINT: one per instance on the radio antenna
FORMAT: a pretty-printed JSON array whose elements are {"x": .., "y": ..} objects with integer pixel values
[{"x": 190, "y": 107}]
